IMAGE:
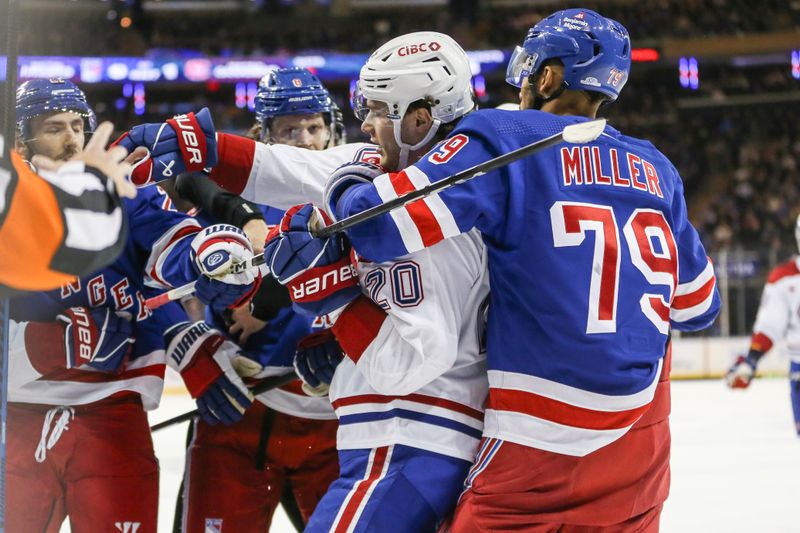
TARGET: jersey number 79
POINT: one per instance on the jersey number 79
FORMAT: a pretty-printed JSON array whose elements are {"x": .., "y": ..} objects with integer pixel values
[{"x": 571, "y": 221}]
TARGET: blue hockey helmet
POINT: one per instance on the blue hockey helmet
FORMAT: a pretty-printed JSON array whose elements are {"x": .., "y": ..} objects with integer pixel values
[
  {"x": 595, "y": 51},
  {"x": 292, "y": 91},
  {"x": 48, "y": 96}
]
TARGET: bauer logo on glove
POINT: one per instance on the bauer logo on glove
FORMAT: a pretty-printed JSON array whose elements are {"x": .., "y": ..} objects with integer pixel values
[
  {"x": 317, "y": 271},
  {"x": 185, "y": 143}
]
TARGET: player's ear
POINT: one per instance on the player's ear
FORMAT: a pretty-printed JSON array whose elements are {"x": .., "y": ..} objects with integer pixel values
[
  {"x": 423, "y": 118},
  {"x": 550, "y": 79},
  {"x": 22, "y": 149}
]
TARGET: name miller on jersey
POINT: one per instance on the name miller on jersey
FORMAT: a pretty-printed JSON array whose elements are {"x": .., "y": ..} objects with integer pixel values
[{"x": 585, "y": 165}]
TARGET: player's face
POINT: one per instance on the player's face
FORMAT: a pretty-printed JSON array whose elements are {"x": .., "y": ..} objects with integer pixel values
[
  {"x": 59, "y": 136},
  {"x": 304, "y": 131},
  {"x": 380, "y": 129}
]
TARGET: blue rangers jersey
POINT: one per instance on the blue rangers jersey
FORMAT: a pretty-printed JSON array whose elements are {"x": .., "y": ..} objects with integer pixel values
[
  {"x": 592, "y": 260},
  {"x": 155, "y": 258}
]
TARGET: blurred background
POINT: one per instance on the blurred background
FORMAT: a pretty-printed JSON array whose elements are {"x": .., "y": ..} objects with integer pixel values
[{"x": 715, "y": 85}]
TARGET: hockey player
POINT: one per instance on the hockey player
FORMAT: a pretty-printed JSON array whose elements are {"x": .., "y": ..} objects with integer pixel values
[
  {"x": 47, "y": 249},
  {"x": 236, "y": 474},
  {"x": 777, "y": 318},
  {"x": 87, "y": 360},
  {"x": 592, "y": 260},
  {"x": 411, "y": 409},
  {"x": 409, "y": 394}
]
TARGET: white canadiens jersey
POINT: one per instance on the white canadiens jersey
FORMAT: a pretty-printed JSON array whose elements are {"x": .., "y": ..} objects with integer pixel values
[
  {"x": 283, "y": 176},
  {"x": 779, "y": 313},
  {"x": 421, "y": 381},
  {"x": 291, "y": 400}
]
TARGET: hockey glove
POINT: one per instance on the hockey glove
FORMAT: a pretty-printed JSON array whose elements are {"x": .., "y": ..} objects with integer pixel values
[
  {"x": 315, "y": 361},
  {"x": 345, "y": 177},
  {"x": 183, "y": 143},
  {"x": 98, "y": 338},
  {"x": 741, "y": 373},
  {"x": 215, "y": 249},
  {"x": 317, "y": 271},
  {"x": 204, "y": 359}
]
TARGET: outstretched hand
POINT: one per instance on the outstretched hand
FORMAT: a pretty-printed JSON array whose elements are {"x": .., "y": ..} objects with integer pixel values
[{"x": 112, "y": 161}]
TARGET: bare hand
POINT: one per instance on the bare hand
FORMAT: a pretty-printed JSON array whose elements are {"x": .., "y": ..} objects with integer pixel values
[
  {"x": 244, "y": 324},
  {"x": 110, "y": 162},
  {"x": 139, "y": 153},
  {"x": 256, "y": 230}
]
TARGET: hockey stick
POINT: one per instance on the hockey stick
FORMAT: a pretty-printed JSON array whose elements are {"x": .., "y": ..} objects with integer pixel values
[
  {"x": 187, "y": 290},
  {"x": 272, "y": 382},
  {"x": 580, "y": 133}
]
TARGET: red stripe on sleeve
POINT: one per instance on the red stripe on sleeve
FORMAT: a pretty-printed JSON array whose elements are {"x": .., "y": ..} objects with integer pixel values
[
  {"x": 420, "y": 213},
  {"x": 180, "y": 234},
  {"x": 686, "y": 301},
  {"x": 235, "y": 156},
  {"x": 358, "y": 326}
]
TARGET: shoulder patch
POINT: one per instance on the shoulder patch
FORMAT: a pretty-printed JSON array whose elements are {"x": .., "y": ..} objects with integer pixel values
[{"x": 786, "y": 269}]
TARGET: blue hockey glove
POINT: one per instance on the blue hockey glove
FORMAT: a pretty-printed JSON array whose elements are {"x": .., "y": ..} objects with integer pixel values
[
  {"x": 203, "y": 357},
  {"x": 98, "y": 338},
  {"x": 741, "y": 373},
  {"x": 315, "y": 361},
  {"x": 345, "y": 177},
  {"x": 215, "y": 249},
  {"x": 318, "y": 272},
  {"x": 185, "y": 143}
]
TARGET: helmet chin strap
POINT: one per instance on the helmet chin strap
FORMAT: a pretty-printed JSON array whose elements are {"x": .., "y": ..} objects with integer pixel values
[{"x": 406, "y": 149}]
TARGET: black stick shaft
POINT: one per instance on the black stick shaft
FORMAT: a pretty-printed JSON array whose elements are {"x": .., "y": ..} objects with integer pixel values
[
  {"x": 272, "y": 382},
  {"x": 446, "y": 183}
]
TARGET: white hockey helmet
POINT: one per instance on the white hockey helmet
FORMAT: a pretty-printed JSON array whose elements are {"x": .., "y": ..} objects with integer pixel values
[{"x": 423, "y": 65}]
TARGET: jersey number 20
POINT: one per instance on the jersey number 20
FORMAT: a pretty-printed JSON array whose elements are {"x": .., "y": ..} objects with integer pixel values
[{"x": 571, "y": 221}]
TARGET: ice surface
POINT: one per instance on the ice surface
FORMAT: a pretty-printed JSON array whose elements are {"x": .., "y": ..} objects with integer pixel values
[{"x": 735, "y": 460}]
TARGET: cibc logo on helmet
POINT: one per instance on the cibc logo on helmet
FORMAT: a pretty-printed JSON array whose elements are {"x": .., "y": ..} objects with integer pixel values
[{"x": 412, "y": 49}]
